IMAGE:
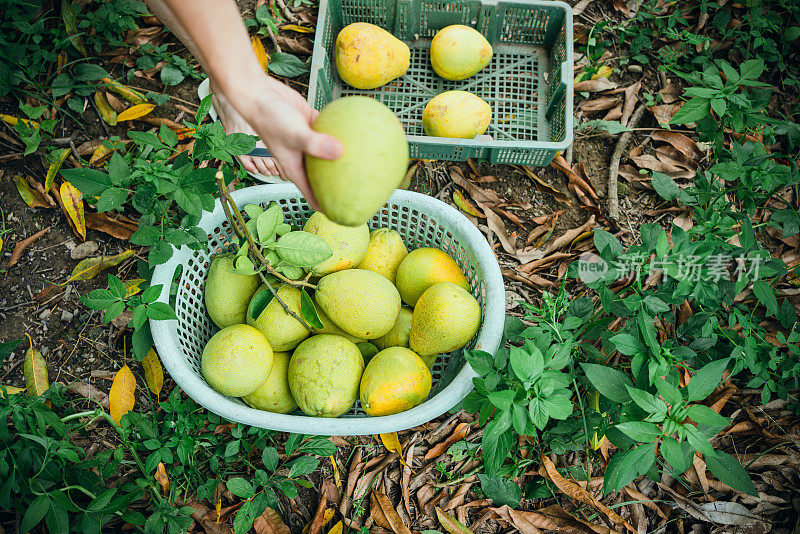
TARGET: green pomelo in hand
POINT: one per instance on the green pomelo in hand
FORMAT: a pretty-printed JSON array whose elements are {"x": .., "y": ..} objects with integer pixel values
[
  {"x": 274, "y": 394},
  {"x": 328, "y": 327},
  {"x": 324, "y": 374},
  {"x": 353, "y": 188},
  {"x": 385, "y": 252},
  {"x": 236, "y": 360},
  {"x": 227, "y": 294},
  {"x": 348, "y": 243},
  {"x": 362, "y": 303},
  {"x": 283, "y": 331},
  {"x": 424, "y": 267},
  {"x": 400, "y": 332},
  {"x": 445, "y": 318}
]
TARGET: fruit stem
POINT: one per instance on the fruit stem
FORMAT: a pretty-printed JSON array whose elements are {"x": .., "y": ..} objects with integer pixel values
[
  {"x": 285, "y": 306},
  {"x": 241, "y": 231}
]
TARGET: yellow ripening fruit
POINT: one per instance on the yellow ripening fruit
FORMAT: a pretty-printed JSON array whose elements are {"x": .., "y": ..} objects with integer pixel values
[
  {"x": 328, "y": 326},
  {"x": 227, "y": 294},
  {"x": 362, "y": 303},
  {"x": 456, "y": 114},
  {"x": 368, "y": 56},
  {"x": 348, "y": 243},
  {"x": 400, "y": 332},
  {"x": 351, "y": 189},
  {"x": 422, "y": 268},
  {"x": 283, "y": 331},
  {"x": 236, "y": 360},
  {"x": 458, "y": 52},
  {"x": 394, "y": 381},
  {"x": 385, "y": 252},
  {"x": 445, "y": 319},
  {"x": 324, "y": 374},
  {"x": 274, "y": 394}
]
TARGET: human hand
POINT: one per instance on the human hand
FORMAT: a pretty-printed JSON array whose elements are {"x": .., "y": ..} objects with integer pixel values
[{"x": 282, "y": 118}]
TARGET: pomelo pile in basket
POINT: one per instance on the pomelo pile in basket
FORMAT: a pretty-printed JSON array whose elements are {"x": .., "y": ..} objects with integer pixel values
[{"x": 384, "y": 314}]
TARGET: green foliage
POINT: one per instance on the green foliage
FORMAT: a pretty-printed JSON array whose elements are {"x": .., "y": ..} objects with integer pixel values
[
  {"x": 176, "y": 68},
  {"x": 106, "y": 25}
]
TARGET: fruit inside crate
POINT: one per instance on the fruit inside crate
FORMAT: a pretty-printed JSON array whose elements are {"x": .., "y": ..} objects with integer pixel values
[{"x": 528, "y": 82}]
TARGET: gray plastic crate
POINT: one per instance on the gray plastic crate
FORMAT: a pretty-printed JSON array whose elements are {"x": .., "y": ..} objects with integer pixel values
[{"x": 529, "y": 82}]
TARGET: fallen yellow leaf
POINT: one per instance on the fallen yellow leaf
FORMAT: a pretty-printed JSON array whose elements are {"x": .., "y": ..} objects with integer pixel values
[
  {"x": 133, "y": 287},
  {"x": 12, "y": 120},
  {"x": 35, "y": 371},
  {"x": 73, "y": 204},
  {"x": 336, "y": 529},
  {"x": 135, "y": 112},
  {"x": 337, "y": 477},
  {"x": 1, "y": 243},
  {"x": 603, "y": 72},
  {"x": 91, "y": 267},
  {"x": 58, "y": 160},
  {"x": 131, "y": 95},
  {"x": 31, "y": 197},
  {"x": 100, "y": 154},
  {"x": 261, "y": 53},
  {"x": 120, "y": 397},
  {"x": 162, "y": 478},
  {"x": 153, "y": 372},
  {"x": 392, "y": 443},
  {"x": 107, "y": 113},
  {"x": 465, "y": 205},
  {"x": 296, "y": 28},
  {"x": 11, "y": 390}
]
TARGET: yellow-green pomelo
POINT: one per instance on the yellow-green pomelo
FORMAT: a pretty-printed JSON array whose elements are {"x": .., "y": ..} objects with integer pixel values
[
  {"x": 274, "y": 395},
  {"x": 385, "y": 252},
  {"x": 457, "y": 114},
  {"x": 458, "y": 52},
  {"x": 283, "y": 331},
  {"x": 367, "y": 56},
  {"x": 324, "y": 374},
  {"x": 445, "y": 318},
  {"x": 227, "y": 293},
  {"x": 394, "y": 381},
  {"x": 348, "y": 243},
  {"x": 362, "y": 303},
  {"x": 236, "y": 360},
  {"x": 400, "y": 332},
  {"x": 424, "y": 267},
  {"x": 352, "y": 188},
  {"x": 328, "y": 327}
]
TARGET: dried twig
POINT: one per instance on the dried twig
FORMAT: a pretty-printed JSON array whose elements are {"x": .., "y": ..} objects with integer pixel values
[
  {"x": 286, "y": 11},
  {"x": 613, "y": 170}
]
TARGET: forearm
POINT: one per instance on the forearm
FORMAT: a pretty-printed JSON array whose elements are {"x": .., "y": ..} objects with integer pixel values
[{"x": 221, "y": 40}]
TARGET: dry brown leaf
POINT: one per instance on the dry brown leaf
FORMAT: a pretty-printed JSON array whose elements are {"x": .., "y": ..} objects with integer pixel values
[
  {"x": 32, "y": 197},
  {"x": 631, "y": 100},
  {"x": 578, "y": 8},
  {"x": 637, "y": 496},
  {"x": 478, "y": 194},
  {"x": 614, "y": 114},
  {"x": 670, "y": 94},
  {"x": 650, "y": 162},
  {"x": 664, "y": 112},
  {"x": 459, "y": 433},
  {"x": 162, "y": 478},
  {"x": 574, "y": 491},
  {"x": 121, "y": 396},
  {"x": 669, "y": 154},
  {"x": 498, "y": 228},
  {"x": 682, "y": 143},
  {"x": 384, "y": 513},
  {"x": 622, "y": 7},
  {"x": 461, "y": 493},
  {"x": 569, "y": 236},
  {"x": 599, "y": 104},
  {"x": 270, "y": 523},
  {"x": 525, "y": 522},
  {"x": 537, "y": 264},
  {"x": 20, "y": 247},
  {"x": 541, "y": 185},
  {"x": 117, "y": 226},
  {"x": 569, "y": 523},
  {"x": 90, "y": 392},
  {"x": 700, "y": 468},
  {"x": 594, "y": 86}
]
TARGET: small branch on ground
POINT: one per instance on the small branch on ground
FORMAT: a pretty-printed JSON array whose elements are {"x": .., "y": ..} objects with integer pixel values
[
  {"x": 613, "y": 169},
  {"x": 286, "y": 11},
  {"x": 274, "y": 40}
]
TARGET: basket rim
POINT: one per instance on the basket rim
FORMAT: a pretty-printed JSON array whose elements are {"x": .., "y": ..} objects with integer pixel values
[{"x": 165, "y": 334}]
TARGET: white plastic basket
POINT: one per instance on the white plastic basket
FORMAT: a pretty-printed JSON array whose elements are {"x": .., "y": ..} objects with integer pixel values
[{"x": 421, "y": 220}]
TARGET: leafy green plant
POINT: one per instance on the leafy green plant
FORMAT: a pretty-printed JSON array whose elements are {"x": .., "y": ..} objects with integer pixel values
[
  {"x": 106, "y": 25},
  {"x": 173, "y": 72},
  {"x": 33, "y": 133}
]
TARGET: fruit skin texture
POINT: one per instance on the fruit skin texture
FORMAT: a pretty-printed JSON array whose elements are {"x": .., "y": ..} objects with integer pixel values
[
  {"x": 324, "y": 374},
  {"x": 236, "y": 360},
  {"x": 274, "y": 395},
  {"x": 400, "y": 332},
  {"x": 395, "y": 380},
  {"x": 424, "y": 267},
  {"x": 385, "y": 252},
  {"x": 328, "y": 327},
  {"x": 445, "y": 319},
  {"x": 227, "y": 294},
  {"x": 458, "y": 52},
  {"x": 283, "y": 331},
  {"x": 362, "y": 303},
  {"x": 367, "y": 56},
  {"x": 352, "y": 188},
  {"x": 348, "y": 243},
  {"x": 458, "y": 114}
]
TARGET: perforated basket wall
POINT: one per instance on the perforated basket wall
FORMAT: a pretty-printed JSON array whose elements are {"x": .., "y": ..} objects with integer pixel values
[
  {"x": 529, "y": 82},
  {"x": 422, "y": 221}
]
